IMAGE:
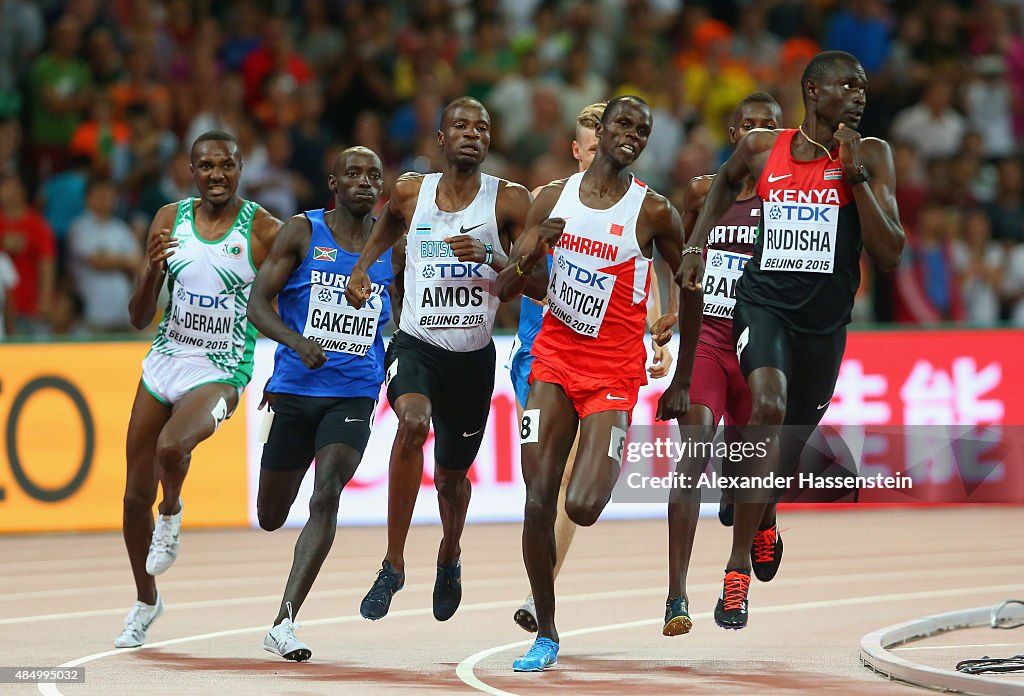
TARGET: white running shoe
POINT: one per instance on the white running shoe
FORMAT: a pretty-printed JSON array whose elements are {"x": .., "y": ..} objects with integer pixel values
[
  {"x": 526, "y": 616},
  {"x": 281, "y": 640},
  {"x": 138, "y": 622},
  {"x": 163, "y": 549}
]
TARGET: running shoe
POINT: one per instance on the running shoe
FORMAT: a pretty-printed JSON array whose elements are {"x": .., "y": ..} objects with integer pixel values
[
  {"x": 281, "y": 640},
  {"x": 542, "y": 655},
  {"x": 725, "y": 513},
  {"x": 526, "y": 615},
  {"x": 677, "y": 617},
  {"x": 163, "y": 548},
  {"x": 447, "y": 589},
  {"x": 137, "y": 622},
  {"x": 731, "y": 610},
  {"x": 377, "y": 601},
  {"x": 766, "y": 552}
]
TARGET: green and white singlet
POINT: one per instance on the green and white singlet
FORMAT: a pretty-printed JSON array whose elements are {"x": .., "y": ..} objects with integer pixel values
[{"x": 209, "y": 284}]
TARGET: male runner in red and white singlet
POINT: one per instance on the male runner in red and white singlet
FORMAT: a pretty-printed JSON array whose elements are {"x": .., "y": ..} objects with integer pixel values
[{"x": 600, "y": 227}]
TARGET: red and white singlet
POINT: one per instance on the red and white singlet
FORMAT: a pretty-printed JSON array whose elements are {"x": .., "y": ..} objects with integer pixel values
[{"x": 597, "y": 292}]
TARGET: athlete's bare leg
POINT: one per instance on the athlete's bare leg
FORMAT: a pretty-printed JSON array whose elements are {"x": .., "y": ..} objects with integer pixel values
[
  {"x": 453, "y": 493},
  {"x": 594, "y": 476},
  {"x": 544, "y": 456},
  {"x": 406, "y": 472},
  {"x": 684, "y": 503},
  {"x": 148, "y": 417},
  {"x": 768, "y": 411},
  {"x": 565, "y": 528},
  {"x": 195, "y": 417},
  {"x": 277, "y": 493},
  {"x": 335, "y": 466}
]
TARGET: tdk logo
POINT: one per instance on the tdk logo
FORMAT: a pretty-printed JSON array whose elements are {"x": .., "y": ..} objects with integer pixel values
[
  {"x": 731, "y": 262},
  {"x": 800, "y": 213},
  {"x": 453, "y": 270},
  {"x": 582, "y": 275},
  {"x": 203, "y": 301}
]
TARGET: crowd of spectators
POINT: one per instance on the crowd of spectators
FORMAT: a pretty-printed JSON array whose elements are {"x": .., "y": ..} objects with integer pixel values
[{"x": 100, "y": 99}]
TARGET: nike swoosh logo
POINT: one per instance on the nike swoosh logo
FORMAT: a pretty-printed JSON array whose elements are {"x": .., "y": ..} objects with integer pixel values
[
  {"x": 476, "y": 432},
  {"x": 380, "y": 260},
  {"x": 354, "y": 420},
  {"x": 614, "y": 398},
  {"x": 772, "y": 178},
  {"x": 466, "y": 230},
  {"x": 824, "y": 405}
]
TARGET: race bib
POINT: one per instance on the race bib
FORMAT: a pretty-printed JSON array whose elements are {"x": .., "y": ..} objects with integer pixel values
[
  {"x": 579, "y": 297},
  {"x": 799, "y": 236},
  {"x": 721, "y": 271},
  {"x": 202, "y": 321},
  {"x": 338, "y": 326},
  {"x": 451, "y": 293}
]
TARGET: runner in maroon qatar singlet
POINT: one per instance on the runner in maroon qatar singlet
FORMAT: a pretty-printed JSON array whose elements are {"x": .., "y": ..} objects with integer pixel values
[{"x": 718, "y": 383}]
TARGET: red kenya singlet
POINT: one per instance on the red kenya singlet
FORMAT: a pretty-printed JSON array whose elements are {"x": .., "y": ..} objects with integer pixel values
[{"x": 806, "y": 263}]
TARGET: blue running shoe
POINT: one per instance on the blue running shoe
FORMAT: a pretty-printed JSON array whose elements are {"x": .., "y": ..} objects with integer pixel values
[{"x": 542, "y": 655}]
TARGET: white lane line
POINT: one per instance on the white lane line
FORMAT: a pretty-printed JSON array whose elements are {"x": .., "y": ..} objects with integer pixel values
[
  {"x": 492, "y": 582},
  {"x": 51, "y": 689},
  {"x": 465, "y": 669},
  {"x": 957, "y": 647}
]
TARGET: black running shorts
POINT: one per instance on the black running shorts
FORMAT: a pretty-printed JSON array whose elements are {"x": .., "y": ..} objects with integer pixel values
[
  {"x": 459, "y": 386},
  {"x": 305, "y": 424},
  {"x": 809, "y": 361}
]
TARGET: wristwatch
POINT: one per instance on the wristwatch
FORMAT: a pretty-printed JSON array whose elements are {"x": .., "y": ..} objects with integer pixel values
[{"x": 861, "y": 176}]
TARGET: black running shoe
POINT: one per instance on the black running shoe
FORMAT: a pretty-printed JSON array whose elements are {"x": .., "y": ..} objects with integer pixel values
[
  {"x": 766, "y": 553},
  {"x": 447, "y": 590},
  {"x": 725, "y": 513},
  {"x": 731, "y": 610},
  {"x": 677, "y": 618},
  {"x": 377, "y": 601}
]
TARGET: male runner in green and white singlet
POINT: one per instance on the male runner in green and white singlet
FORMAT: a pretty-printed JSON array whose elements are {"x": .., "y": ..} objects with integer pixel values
[{"x": 208, "y": 250}]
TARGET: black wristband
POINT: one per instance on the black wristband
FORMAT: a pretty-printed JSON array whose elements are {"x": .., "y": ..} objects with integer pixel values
[{"x": 860, "y": 176}]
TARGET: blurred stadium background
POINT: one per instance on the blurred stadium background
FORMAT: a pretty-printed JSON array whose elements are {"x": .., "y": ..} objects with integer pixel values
[{"x": 99, "y": 101}]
